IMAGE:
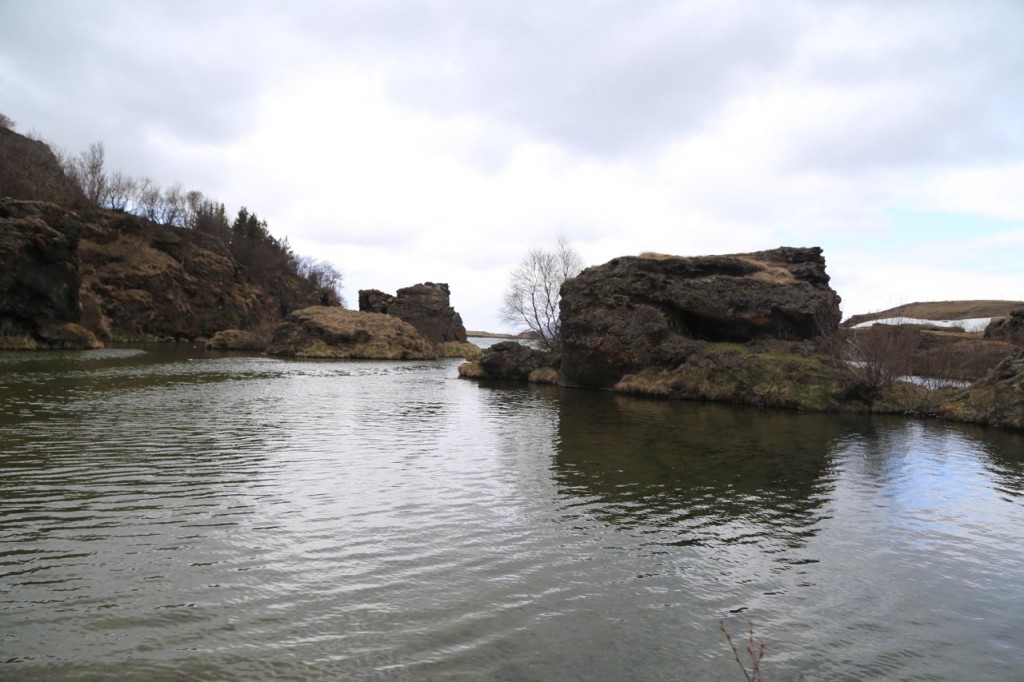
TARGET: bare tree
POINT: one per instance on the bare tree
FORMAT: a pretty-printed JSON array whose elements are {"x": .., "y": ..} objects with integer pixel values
[
  {"x": 87, "y": 171},
  {"x": 534, "y": 290},
  {"x": 325, "y": 277},
  {"x": 175, "y": 206},
  {"x": 6, "y": 121},
  {"x": 148, "y": 199},
  {"x": 120, "y": 191}
]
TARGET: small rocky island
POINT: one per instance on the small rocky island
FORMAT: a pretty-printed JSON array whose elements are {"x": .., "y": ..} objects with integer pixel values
[{"x": 759, "y": 329}]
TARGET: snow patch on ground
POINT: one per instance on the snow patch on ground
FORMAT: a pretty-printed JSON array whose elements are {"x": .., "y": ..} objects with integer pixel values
[{"x": 974, "y": 324}]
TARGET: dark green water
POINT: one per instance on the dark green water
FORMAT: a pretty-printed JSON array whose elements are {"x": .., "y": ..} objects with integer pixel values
[{"x": 171, "y": 514}]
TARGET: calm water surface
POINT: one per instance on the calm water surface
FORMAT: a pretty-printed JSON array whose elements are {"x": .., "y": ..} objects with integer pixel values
[{"x": 167, "y": 513}]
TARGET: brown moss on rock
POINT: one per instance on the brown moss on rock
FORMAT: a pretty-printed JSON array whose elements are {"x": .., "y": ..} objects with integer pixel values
[
  {"x": 68, "y": 336},
  {"x": 237, "y": 339},
  {"x": 327, "y": 332},
  {"x": 459, "y": 349}
]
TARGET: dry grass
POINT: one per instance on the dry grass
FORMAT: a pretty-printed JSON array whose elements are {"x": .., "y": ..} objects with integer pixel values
[
  {"x": 771, "y": 273},
  {"x": 336, "y": 333},
  {"x": 458, "y": 349},
  {"x": 472, "y": 370},
  {"x": 753, "y": 650}
]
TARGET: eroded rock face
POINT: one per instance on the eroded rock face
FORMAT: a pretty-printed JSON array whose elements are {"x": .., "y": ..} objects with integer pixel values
[
  {"x": 39, "y": 280},
  {"x": 328, "y": 332},
  {"x": 425, "y": 306},
  {"x": 647, "y": 311}
]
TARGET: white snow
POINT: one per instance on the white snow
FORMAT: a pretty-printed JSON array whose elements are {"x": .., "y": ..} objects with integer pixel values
[{"x": 974, "y": 324}]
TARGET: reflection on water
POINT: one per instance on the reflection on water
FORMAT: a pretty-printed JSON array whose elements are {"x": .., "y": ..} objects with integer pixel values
[{"x": 170, "y": 514}]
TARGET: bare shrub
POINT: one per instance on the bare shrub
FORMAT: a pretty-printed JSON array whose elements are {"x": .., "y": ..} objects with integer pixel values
[
  {"x": 325, "y": 277},
  {"x": 6, "y": 121},
  {"x": 881, "y": 354}
]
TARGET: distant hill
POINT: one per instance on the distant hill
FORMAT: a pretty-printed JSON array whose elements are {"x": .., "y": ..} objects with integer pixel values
[{"x": 941, "y": 310}]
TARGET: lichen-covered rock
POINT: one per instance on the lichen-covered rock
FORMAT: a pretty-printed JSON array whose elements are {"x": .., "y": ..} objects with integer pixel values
[
  {"x": 328, "y": 332},
  {"x": 425, "y": 306},
  {"x": 648, "y": 311}
]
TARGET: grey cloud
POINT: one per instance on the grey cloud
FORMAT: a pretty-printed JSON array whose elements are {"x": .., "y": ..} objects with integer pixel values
[
  {"x": 605, "y": 78},
  {"x": 601, "y": 78}
]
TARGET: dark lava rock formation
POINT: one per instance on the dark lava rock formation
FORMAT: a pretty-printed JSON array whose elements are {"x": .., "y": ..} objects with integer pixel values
[
  {"x": 425, "y": 306},
  {"x": 511, "y": 360},
  {"x": 39, "y": 280},
  {"x": 652, "y": 311}
]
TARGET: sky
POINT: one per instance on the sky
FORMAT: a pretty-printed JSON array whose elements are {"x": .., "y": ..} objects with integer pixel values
[{"x": 408, "y": 141}]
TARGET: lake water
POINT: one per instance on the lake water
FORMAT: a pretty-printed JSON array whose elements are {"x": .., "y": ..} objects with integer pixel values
[{"x": 167, "y": 513}]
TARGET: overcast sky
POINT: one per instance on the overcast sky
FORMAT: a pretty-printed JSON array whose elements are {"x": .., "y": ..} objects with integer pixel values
[{"x": 438, "y": 141}]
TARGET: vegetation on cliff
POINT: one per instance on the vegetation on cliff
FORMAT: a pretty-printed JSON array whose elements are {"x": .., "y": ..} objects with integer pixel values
[{"x": 127, "y": 260}]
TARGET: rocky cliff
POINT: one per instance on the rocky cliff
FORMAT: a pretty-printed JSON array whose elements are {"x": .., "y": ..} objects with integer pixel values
[
  {"x": 142, "y": 279},
  {"x": 39, "y": 280},
  {"x": 426, "y": 306},
  {"x": 651, "y": 311},
  {"x": 123, "y": 277},
  {"x": 119, "y": 276}
]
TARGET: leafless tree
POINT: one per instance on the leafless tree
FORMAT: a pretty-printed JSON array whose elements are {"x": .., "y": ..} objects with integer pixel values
[
  {"x": 87, "y": 171},
  {"x": 6, "y": 121},
  {"x": 148, "y": 199},
  {"x": 120, "y": 192},
  {"x": 534, "y": 290},
  {"x": 174, "y": 205},
  {"x": 325, "y": 277}
]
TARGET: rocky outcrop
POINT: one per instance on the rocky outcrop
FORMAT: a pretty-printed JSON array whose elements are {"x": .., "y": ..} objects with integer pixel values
[
  {"x": 39, "y": 280},
  {"x": 425, "y": 306},
  {"x": 995, "y": 400},
  {"x": 653, "y": 310},
  {"x": 1009, "y": 329},
  {"x": 510, "y": 360},
  {"x": 323, "y": 332}
]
